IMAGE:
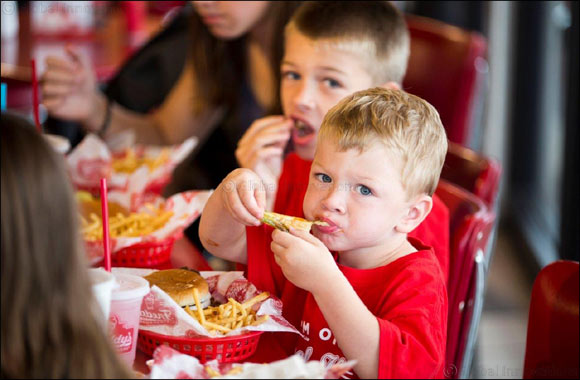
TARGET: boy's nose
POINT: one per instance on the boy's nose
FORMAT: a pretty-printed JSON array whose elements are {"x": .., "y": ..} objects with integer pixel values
[
  {"x": 335, "y": 200},
  {"x": 304, "y": 98}
]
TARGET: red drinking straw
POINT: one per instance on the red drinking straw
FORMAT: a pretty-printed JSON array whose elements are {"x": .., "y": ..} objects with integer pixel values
[
  {"x": 105, "y": 214},
  {"x": 35, "y": 96}
]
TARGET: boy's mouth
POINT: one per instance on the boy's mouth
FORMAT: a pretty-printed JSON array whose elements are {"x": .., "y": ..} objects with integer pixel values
[
  {"x": 329, "y": 229},
  {"x": 302, "y": 133}
]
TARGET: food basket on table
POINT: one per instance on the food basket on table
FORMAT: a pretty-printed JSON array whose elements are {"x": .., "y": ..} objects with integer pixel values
[
  {"x": 146, "y": 169},
  {"x": 153, "y": 254},
  {"x": 232, "y": 326},
  {"x": 143, "y": 237},
  {"x": 228, "y": 349}
]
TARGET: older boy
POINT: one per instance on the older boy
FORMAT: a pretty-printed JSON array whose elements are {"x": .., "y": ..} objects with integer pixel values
[
  {"x": 332, "y": 50},
  {"x": 381, "y": 298}
]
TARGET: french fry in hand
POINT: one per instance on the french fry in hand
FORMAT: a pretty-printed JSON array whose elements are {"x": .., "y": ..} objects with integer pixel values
[{"x": 284, "y": 222}]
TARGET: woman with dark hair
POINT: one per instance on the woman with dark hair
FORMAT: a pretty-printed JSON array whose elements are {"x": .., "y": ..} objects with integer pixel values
[
  {"x": 50, "y": 325},
  {"x": 210, "y": 73}
]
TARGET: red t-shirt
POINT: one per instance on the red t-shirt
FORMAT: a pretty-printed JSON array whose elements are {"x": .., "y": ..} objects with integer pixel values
[
  {"x": 407, "y": 296},
  {"x": 292, "y": 186}
]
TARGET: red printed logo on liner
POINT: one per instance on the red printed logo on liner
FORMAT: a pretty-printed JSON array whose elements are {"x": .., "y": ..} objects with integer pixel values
[{"x": 155, "y": 313}]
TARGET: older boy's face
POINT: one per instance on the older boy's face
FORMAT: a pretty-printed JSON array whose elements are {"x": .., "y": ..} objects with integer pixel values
[
  {"x": 360, "y": 195},
  {"x": 316, "y": 75}
]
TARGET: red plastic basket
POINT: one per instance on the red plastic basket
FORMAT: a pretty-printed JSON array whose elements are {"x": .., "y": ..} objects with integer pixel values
[
  {"x": 228, "y": 349},
  {"x": 143, "y": 255}
]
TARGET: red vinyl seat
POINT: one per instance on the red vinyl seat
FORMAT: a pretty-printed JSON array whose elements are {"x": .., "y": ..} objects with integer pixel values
[
  {"x": 480, "y": 176},
  {"x": 446, "y": 67},
  {"x": 471, "y": 223},
  {"x": 474, "y": 172},
  {"x": 552, "y": 337}
]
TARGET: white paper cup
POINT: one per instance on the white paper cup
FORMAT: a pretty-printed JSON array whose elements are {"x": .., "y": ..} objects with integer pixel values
[
  {"x": 103, "y": 284},
  {"x": 126, "y": 302}
]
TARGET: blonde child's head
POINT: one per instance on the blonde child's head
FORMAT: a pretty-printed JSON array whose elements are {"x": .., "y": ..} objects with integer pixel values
[
  {"x": 377, "y": 163},
  {"x": 333, "y": 49},
  {"x": 408, "y": 126}
]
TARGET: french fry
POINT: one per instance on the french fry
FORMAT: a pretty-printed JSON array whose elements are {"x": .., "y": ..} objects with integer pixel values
[
  {"x": 212, "y": 372},
  {"x": 132, "y": 225},
  {"x": 284, "y": 222},
  {"x": 261, "y": 319},
  {"x": 229, "y": 316},
  {"x": 131, "y": 162},
  {"x": 198, "y": 305},
  {"x": 260, "y": 297},
  {"x": 217, "y": 327}
]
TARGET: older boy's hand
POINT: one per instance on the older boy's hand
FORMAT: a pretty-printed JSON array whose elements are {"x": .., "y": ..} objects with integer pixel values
[
  {"x": 243, "y": 196},
  {"x": 261, "y": 149},
  {"x": 305, "y": 260}
]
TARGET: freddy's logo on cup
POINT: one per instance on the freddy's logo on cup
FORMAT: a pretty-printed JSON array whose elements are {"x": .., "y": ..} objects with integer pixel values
[
  {"x": 154, "y": 312},
  {"x": 121, "y": 335}
]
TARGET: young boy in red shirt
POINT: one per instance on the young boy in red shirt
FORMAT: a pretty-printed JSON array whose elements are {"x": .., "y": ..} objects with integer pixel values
[
  {"x": 332, "y": 49},
  {"x": 358, "y": 288}
]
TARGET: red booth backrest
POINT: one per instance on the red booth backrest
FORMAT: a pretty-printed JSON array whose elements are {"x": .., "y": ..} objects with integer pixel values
[
  {"x": 552, "y": 338},
  {"x": 474, "y": 172},
  {"x": 442, "y": 70}
]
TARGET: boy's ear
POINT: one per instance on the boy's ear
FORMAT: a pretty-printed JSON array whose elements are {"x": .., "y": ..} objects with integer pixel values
[
  {"x": 391, "y": 85},
  {"x": 416, "y": 213}
]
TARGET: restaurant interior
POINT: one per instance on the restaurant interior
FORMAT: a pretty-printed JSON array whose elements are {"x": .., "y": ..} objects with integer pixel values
[{"x": 503, "y": 77}]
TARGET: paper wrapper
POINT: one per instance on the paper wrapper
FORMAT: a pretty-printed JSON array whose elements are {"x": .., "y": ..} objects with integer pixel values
[
  {"x": 168, "y": 363},
  {"x": 162, "y": 315},
  {"x": 186, "y": 207},
  {"x": 91, "y": 160}
]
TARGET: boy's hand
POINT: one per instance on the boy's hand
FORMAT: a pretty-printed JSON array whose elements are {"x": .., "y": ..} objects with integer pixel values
[
  {"x": 243, "y": 196},
  {"x": 261, "y": 149},
  {"x": 304, "y": 260}
]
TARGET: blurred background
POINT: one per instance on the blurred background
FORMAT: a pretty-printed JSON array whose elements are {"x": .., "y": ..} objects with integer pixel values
[{"x": 511, "y": 99}]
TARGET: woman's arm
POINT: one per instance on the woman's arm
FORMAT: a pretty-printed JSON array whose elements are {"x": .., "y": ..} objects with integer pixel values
[
  {"x": 172, "y": 123},
  {"x": 69, "y": 92}
]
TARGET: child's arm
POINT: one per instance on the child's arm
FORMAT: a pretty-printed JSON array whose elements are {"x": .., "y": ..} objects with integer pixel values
[
  {"x": 261, "y": 149},
  {"x": 308, "y": 264},
  {"x": 408, "y": 337},
  {"x": 237, "y": 202}
]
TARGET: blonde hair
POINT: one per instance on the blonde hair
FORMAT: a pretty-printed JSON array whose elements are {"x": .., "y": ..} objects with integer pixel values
[
  {"x": 405, "y": 124},
  {"x": 375, "y": 30}
]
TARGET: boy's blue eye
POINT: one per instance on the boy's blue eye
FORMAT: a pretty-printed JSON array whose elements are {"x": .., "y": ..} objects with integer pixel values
[
  {"x": 287, "y": 74},
  {"x": 332, "y": 83},
  {"x": 363, "y": 190},
  {"x": 324, "y": 177}
]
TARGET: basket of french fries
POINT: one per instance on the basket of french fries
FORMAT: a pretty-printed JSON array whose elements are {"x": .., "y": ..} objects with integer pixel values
[
  {"x": 148, "y": 168},
  {"x": 142, "y": 234},
  {"x": 225, "y": 325}
]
